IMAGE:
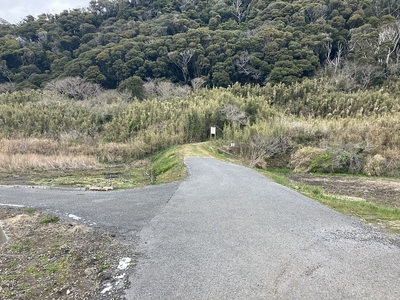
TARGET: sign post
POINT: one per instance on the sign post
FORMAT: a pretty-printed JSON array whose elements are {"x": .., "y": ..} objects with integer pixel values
[{"x": 213, "y": 131}]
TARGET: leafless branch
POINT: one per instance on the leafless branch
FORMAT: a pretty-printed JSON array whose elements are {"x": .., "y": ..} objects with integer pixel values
[{"x": 74, "y": 87}]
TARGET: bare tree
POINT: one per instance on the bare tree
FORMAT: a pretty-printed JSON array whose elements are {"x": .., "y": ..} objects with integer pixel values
[
  {"x": 182, "y": 61},
  {"x": 316, "y": 12},
  {"x": 164, "y": 89},
  {"x": 386, "y": 7},
  {"x": 242, "y": 63},
  {"x": 42, "y": 36},
  {"x": 74, "y": 87},
  {"x": 258, "y": 151},
  {"x": 388, "y": 39},
  {"x": 363, "y": 74},
  {"x": 238, "y": 10},
  {"x": 354, "y": 75},
  {"x": 266, "y": 147},
  {"x": 234, "y": 114},
  {"x": 244, "y": 67},
  {"x": 337, "y": 60},
  {"x": 197, "y": 83}
]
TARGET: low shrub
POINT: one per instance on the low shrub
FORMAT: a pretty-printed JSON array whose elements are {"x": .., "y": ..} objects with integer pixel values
[
  {"x": 375, "y": 165},
  {"x": 328, "y": 160},
  {"x": 303, "y": 158}
]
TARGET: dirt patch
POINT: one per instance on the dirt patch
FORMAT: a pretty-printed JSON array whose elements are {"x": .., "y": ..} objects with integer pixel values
[
  {"x": 47, "y": 258},
  {"x": 379, "y": 191},
  {"x": 15, "y": 179}
]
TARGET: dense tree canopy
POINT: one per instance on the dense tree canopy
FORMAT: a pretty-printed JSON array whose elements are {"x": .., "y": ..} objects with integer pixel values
[{"x": 221, "y": 41}]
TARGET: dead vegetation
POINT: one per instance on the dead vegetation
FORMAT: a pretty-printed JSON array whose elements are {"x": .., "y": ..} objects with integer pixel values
[{"x": 44, "y": 162}]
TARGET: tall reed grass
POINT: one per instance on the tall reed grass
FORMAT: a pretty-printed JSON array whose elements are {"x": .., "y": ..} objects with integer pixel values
[{"x": 281, "y": 120}]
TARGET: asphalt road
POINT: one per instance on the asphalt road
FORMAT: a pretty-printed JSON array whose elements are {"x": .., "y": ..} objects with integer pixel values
[
  {"x": 227, "y": 232},
  {"x": 123, "y": 213}
]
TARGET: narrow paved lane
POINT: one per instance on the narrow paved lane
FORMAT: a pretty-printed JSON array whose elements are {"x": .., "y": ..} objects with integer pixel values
[{"x": 230, "y": 233}]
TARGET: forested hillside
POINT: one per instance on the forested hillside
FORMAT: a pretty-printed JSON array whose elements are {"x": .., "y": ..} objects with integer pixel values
[{"x": 220, "y": 41}]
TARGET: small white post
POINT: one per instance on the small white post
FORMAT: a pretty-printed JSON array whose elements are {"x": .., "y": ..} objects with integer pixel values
[{"x": 213, "y": 131}]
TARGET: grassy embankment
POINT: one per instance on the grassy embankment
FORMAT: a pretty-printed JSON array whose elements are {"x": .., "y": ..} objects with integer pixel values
[{"x": 370, "y": 212}]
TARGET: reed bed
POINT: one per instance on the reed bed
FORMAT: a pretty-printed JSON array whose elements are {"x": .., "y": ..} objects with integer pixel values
[{"x": 270, "y": 123}]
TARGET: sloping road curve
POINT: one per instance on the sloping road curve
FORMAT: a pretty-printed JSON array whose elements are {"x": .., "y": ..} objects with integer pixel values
[{"x": 227, "y": 232}]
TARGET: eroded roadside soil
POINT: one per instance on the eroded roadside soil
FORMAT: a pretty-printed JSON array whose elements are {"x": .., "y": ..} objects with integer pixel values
[{"x": 48, "y": 258}]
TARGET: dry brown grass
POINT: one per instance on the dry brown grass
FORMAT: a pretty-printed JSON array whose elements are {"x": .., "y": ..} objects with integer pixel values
[
  {"x": 29, "y": 146},
  {"x": 42, "y": 154},
  {"x": 117, "y": 151},
  {"x": 47, "y": 154},
  {"x": 46, "y": 162},
  {"x": 385, "y": 163},
  {"x": 303, "y": 158}
]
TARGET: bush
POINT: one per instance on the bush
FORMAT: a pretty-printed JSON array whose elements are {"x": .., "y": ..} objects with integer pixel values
[
  {"x": 330, "y": 160},
  {"x": 133, "y": 85},
  {"x": 375, "y": 165},
  {"x": 302, "y": 159}
]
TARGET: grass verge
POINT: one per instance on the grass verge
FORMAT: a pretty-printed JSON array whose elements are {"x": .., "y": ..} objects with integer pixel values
[
  {"x": 386, "y": 217},
  {"x": 168, "y": 166}
]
